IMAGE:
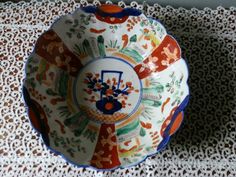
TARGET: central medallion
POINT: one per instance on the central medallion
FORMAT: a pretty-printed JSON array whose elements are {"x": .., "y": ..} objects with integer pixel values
[{"x": 107, "y": 90}]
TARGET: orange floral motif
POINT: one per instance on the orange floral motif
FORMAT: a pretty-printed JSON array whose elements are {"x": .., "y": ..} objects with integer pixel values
[
  {"x": 164, "y": 104},
  {"x": 106, "y": 155},
  {"x": 109, "y": 140},
  {"x": 54, "y": 101},
  {"x": 171, "y": 56},
  {"x": 100, "y": 159},
  {"x": 165, "y": 54},
  {"x": 36, "y": 94},
  {"x": 155, "y": 139},
  {"x": 93, "y": 30},
  {"x": 132, "y": 22},
  {"x": 125, "y": 38},
  {"x": 53, "y": 50},
  {"x": 51, "y": 46},
  {"x": 146, "y": 125}
]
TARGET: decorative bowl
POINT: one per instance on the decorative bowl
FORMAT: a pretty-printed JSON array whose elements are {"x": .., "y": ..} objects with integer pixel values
[{"x": 106, "y": 87}]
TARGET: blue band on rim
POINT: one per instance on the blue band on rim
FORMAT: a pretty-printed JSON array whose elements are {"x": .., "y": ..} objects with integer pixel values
[
  {"x": 167, "y": 135},
  {"x": 123, "y": 13}
]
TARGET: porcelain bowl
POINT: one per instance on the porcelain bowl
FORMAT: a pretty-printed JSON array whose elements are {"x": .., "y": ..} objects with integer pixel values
[{"x": 106, "y": 87}]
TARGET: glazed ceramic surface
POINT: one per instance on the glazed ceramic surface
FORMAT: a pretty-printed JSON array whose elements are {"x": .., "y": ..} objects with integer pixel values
[{"x": 106, "y": 87}]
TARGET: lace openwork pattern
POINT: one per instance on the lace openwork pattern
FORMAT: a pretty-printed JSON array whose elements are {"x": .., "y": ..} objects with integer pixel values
[{"x": 206, "y": 143}]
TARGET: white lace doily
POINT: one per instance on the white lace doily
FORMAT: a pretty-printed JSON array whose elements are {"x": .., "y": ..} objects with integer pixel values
[{"x": 204, "y": 146}]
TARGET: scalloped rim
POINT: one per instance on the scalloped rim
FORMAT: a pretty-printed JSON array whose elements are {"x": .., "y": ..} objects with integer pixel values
[{"x": 160, "y": 147}]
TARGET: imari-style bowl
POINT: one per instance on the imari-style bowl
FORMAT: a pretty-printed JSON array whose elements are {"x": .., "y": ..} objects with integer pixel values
[{"x": 106, "y": 87}]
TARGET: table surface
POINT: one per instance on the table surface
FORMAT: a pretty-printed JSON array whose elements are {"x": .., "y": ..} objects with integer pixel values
[
  {"x": 188, "y": 3},
  {"x": 206, "y": 143}
]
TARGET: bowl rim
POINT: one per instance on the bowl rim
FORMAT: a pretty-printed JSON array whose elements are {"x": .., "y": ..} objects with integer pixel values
[{"x": 165, "y": 139}]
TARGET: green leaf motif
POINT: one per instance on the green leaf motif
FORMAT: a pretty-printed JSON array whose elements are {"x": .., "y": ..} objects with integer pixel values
[
  {"x": 126, "y": 129},
  {"x": 69, "y": 34},
  {"x": 159, "y": 88},
  {"x": 71, "y": 152},
  {"x": 87, "y": 47},
  {"x": 51, "y": 92},
  {"x": 91, "y": 135},
  {"x": 101, "y": 46},
  {"x": 133, "y": 38},
  {"x": 79, "y": 50},
  {"x": 81, "y": 128},
  {"x": 72, "y": 119},
  {"x": 141, "y": 24},
  {"x": 63, "y": 84},
  {"x": 132, "y": 53},
  {"x": 82, "y": 28},
  {"x": 78, "y": 122},
  {"x": 76, "y": 23},
  {"x": 72, "y": 30},
  {"x": 82, "y": 16},
  {"x": 68, "y": 22},
  {"x": 31, "y": 82},
  {"x": 64, "y": 111},
  {"x": 142, "y": 132},
  {"x": 157, "y": 103}
]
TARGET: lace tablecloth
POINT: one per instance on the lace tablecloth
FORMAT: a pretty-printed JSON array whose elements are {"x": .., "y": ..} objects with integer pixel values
[{"x": 204, "y": 146}]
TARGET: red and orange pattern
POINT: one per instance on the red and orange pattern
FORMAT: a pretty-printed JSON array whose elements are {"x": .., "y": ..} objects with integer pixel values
[
  {"x": 106, "y": 154},
  {"x": 75, "y": 131},
  {"x": 163, "y": 56},
  {"x": 53, "y": 50}
]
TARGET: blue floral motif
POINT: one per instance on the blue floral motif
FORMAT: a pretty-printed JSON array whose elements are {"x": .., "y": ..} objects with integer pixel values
[{"x": 112, "y": 92}]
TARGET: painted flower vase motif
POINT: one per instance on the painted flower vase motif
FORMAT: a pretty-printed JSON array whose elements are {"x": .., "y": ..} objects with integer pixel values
[{"x": 106, "y": 87}]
